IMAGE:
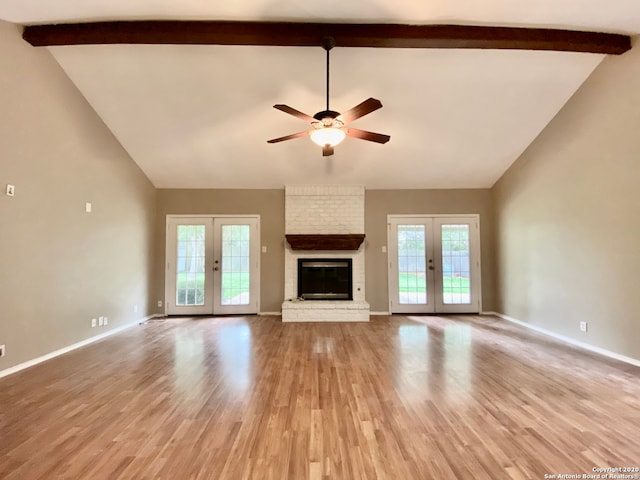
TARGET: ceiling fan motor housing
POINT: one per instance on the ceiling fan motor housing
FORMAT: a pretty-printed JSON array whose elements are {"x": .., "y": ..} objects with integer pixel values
[{"x": 327, "y": 118}]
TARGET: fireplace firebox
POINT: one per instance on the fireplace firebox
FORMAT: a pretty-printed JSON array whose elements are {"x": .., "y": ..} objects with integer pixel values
[{"x": 325, "y": 279}]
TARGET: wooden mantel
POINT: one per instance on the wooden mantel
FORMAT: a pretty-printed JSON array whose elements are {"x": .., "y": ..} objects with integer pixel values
[{"x": 351, "y": 241}]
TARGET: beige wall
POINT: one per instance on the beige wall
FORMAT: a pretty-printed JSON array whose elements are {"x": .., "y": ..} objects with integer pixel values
[
  {"x": 568, "y": 216},
  {"x": 60, "y": 267},
  {"x": 269, "y": 204},
  {"x": 380, "y": 203}
]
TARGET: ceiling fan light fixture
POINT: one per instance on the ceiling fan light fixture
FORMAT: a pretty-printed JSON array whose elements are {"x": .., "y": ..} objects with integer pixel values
[{"x": 327, "y": 136}]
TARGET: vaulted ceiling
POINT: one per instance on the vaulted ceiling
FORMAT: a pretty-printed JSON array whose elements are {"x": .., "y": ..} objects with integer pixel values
[{"x": 199, "y": 116}]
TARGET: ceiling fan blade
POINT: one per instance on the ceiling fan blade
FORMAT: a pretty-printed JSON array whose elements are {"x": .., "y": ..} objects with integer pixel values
[
  {"x": 288, "y": 137},
  {"x": 294, "y": 112},
  {"x": 327, "y": 151},
  {"x": 364, "y": 135},
  {"x": 366, "y": 107}
]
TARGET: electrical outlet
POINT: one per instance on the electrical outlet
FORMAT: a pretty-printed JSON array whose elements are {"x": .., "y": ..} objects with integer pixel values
[
  {"x": 94, "y": 322},
  {"x": 2, "y": 350},
  {"x": 106, "y": 320},
  {"x": 583, "y": 326},
  {"x": 159, "y": 303},
  {"x": 100, "y": 321}
]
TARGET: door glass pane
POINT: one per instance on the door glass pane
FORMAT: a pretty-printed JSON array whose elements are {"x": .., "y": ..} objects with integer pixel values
[
  {"x": 456, "y": 264},
  {"x": 190, "y": 265},
  {"x": 235, "y": 278},
  {"x": 412, "y": 285}
]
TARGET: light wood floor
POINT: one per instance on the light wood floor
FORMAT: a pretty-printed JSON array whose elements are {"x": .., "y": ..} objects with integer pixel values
[{"x": 424, "y": 397}]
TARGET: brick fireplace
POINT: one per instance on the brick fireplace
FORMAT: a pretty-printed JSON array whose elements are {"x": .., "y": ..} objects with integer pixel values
[{"x": 324, "y": 221}]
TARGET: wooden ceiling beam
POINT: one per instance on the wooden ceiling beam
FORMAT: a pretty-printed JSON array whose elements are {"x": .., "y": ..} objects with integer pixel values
[{"x": 311, "y": 34}]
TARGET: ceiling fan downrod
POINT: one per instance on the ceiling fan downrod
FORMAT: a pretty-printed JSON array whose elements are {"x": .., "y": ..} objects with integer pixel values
[
  {"x": 328, "y": 43},
  {"x": 327, "y": 116}
]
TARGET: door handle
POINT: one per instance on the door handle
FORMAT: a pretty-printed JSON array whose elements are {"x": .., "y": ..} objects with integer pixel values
[
  {"x": 431, "y": 268},
  {"x": 215, "y": 268}
]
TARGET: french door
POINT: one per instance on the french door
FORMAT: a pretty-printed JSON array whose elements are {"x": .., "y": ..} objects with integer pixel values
[
  {"x": 212, "y": 265},
  {"x": 434, "y": 264}
]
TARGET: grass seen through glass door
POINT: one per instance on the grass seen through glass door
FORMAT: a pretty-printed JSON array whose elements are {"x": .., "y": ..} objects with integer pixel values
[
  {"x": 236, "y": 282},
  {"x": 416, "y": 282}
]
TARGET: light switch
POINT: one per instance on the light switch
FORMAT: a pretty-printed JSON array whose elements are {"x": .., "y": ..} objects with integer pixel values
[
  {"x": 384, "y": 249},
  {"x": 87, "y": 207},
  {"x": 264, "y": 249},
  {"x": 11, "y": 190}
]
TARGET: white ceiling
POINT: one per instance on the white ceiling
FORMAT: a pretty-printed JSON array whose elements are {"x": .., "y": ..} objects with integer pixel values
[{"x": 199, "y": 116}]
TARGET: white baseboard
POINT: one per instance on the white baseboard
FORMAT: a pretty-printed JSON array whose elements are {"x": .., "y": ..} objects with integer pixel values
[
  {"x": 379, "y": 313},
  {"x": 569, "y": 340},
  {"x": 62, "y": 351},
  {"x": 269, "y": 313}
]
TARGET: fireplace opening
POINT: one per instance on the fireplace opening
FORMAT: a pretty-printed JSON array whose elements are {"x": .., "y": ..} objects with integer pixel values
[{"x": 325, "y": 279}]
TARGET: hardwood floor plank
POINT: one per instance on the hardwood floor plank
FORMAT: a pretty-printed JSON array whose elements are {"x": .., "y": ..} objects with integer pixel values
[{"x": 402, "y": 397}]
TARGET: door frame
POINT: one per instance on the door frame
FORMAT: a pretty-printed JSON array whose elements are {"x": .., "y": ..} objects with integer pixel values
[
  {"x": 476, "y": 272},
  {"x": 167, "y": 291}
]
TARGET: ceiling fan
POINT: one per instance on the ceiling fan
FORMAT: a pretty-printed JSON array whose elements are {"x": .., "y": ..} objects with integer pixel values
[{"x": 329, "y": 127}]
